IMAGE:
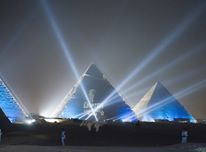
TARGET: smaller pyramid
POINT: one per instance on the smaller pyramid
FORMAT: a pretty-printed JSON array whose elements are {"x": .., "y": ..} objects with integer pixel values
[
  {"x": 9, "y": 104},
  {"x": 159, "y": 104},
  {"x": 97, "y": 88}
]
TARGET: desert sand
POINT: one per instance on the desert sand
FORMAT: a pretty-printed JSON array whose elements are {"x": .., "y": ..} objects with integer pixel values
[{"x": 35, "y": 148}]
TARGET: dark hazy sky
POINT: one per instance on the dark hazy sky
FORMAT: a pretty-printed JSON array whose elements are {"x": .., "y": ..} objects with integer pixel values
[{"x": 116, "y": 35}]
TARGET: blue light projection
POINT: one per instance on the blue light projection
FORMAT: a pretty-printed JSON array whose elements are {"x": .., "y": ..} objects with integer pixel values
[
  {"x": 97, "y": 88},
  {"x": 9, "y": 105},
  {"x": 170, "y": 110}
]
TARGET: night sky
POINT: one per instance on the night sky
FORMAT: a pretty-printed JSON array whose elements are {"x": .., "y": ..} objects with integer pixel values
[{"x": 116, "y": 35}]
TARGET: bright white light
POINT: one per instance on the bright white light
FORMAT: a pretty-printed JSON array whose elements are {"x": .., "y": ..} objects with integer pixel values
[
  {"x": 193, "y": 121},
  {"x": 30, "y": 121},
  {"x": 126, "y": 120},
  {"x": 51, "y": 120},
  {"x": 147, "y": 119}
]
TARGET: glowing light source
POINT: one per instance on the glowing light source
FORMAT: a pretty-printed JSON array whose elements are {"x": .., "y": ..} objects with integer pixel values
[
  {"x": 30, "y": 121},
  {"x": 125, "y": 120},
  {"x": 52, "y": 120},
  {"x": 66, "y": 50},
  {"x": 147, "y": 118}
]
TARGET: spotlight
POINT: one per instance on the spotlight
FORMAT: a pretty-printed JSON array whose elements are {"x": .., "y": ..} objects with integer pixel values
[
  {"x": 176, "y": 33},
  {"x": 181, "y": 58},
  {"x": 65, "y": 50},
  {"x": 176, "y": 80},
  {"x": 30, "y": 121},
  {"x": 52, "y": 120}
]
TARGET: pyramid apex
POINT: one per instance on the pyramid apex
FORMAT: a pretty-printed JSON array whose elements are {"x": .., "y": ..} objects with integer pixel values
[
  {"x": 94, "y": 71},
  {"x": 92, "y": 65},
  {"x": 159, "y": 84}
]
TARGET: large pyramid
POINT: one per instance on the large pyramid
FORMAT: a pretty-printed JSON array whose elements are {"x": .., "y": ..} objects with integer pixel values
[
  {"x": 97, "y": 88},
  {"x": 159, "y": 103},
  {"x": 9, "y": 104}
]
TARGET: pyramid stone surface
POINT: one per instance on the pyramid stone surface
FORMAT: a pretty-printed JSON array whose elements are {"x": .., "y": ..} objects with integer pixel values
[
  {"x": 4, "y": 121},
  {"x": 97, "y": 89},
  {"x": 9, "y": 105},
  {"x": 159, "y": 103}
]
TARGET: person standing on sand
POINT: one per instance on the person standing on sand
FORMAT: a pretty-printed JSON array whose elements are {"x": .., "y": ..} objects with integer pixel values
[
  {"x": 184, "y": 135},
  {"x": 63, "y": 137},
  {"x": 97, "y": 126}
]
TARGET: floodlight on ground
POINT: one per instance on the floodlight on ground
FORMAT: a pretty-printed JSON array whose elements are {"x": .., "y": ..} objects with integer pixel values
[{"x": 30, "y": 121}]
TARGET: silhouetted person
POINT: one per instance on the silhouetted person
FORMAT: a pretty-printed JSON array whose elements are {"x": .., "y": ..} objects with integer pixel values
[
  {"x": 89, "y": 126},
  {"x": 63, "y": 137},
  {"x": 137, "y": 124},
  {"x": 97, "y": 126},
  {"x": 184, "y": 135}
]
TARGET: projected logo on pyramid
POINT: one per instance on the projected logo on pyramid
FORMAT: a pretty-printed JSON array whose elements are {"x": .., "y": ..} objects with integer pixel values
[
  {"x": 97, "y": 88},
  {"x": 94, "y": 105}
]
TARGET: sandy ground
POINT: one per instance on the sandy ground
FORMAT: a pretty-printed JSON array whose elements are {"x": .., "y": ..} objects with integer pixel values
[{"x": 174, "y": 148}]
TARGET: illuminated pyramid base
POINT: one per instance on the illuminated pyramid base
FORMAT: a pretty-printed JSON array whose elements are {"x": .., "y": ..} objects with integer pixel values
[{"x": 97, "y": 89}]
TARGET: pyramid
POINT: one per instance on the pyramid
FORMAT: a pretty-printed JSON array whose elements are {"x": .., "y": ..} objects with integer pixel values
[
  {"x": 97, "y": 88},
  {"x": 5, "y": 123},
  {"x": 9, "y": 104},
  {"x": 159, "y": 104}
]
